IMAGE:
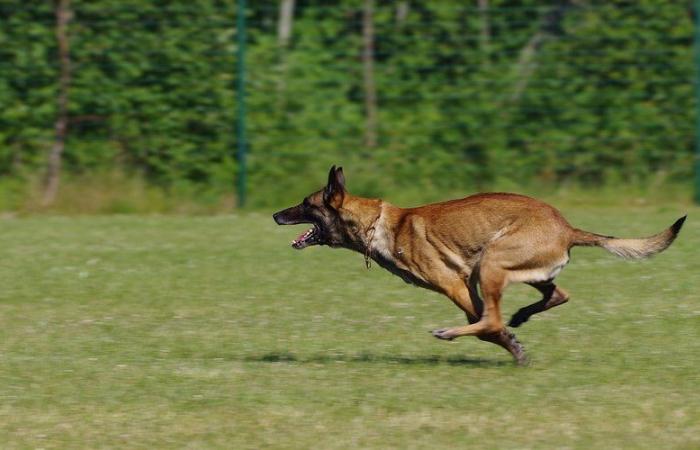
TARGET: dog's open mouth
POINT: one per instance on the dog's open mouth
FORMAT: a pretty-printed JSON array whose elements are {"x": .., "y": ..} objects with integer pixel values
[{"x": 309, "y": 237}]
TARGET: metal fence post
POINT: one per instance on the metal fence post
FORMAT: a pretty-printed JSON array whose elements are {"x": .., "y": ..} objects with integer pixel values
[
  {"x": 697, "y": 99},
  {"x": 241, "y": 154}
]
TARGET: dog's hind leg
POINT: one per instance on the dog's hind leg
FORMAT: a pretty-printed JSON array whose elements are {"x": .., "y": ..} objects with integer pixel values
[
  {"x": 551, "y": 296},
  {"x": 503, "y": 338},
  {"x": 508, "y": 341}
]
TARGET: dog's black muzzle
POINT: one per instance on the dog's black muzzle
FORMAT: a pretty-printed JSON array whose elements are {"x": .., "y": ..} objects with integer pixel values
[{"x": 290, "y": 216}]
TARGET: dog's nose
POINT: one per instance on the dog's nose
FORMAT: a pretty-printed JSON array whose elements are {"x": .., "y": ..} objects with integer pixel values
[{"x": 276, "y": 216}]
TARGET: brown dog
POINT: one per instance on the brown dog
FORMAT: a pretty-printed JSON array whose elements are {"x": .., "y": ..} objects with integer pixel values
[{"x": 490, "y": 240}]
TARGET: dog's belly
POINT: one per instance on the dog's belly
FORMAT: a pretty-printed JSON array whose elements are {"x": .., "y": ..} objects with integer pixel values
[
  {"x": 405, "y": 275},
  {"x": 539, "y": 274}
]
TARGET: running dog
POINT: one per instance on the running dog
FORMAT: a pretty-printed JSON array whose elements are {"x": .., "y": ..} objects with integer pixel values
[{"x": 454, "y": 247}]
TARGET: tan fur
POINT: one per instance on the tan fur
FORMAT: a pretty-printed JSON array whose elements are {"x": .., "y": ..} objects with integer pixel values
[
  {"x": 506, "y": 237},
  {"x": 628, "y": 248}
]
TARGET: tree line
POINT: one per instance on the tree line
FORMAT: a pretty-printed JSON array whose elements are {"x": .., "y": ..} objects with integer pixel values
[{"x": 411, "y": 95}]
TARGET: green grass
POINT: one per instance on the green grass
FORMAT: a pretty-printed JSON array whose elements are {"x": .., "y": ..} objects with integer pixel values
[{"x": 211, "y": 332}]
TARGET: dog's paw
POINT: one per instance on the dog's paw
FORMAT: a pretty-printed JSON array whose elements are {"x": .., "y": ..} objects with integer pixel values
[{"x": 443, "y": 333}]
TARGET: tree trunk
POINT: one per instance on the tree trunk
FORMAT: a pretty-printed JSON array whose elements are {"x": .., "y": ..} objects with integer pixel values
[
  {"x": 368, "y": 74},
  {"x": 401, "y": 12},
  {"x": 284, "y": 34},
  {"x": 526, "y": 65},
  {"x": 485, "y": 34},
  {"x": 284, "y": 26},
  {"x": 63, "y": 16}
]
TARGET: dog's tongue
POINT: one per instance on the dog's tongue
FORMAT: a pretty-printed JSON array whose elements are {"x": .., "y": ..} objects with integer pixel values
[{"x": 299, "y": 242}]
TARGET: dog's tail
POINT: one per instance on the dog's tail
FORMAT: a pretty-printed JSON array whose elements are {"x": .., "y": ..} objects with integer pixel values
[{"x": 629, "y": 248}]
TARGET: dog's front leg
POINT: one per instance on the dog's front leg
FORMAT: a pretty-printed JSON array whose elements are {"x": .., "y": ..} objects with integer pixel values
[
  {"x": 492, "y": 284},
  {"x": 484, "y": 323},
  {"x": 465, "y": 299}
]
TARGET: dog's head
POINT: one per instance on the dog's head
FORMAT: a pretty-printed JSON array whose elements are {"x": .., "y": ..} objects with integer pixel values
[{"x": 321, "y": 210}]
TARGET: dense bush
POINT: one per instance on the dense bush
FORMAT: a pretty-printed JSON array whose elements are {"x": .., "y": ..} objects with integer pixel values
[{"x": 584, "y": 92}]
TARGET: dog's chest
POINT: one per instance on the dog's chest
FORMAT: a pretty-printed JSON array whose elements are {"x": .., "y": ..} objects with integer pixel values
[
  {"x": 384, "y": 244},
  {"x": 392, "y": 256},
  {"x": 399, "y": 269},
  {"x": 381, "y": 243}
]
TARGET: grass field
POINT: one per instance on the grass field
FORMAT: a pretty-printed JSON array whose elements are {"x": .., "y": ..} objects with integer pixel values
[{"x": 172, "y": 332}]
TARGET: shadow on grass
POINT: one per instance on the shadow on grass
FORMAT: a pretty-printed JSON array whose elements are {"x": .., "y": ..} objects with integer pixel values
[{"x": 429, "y": 360}]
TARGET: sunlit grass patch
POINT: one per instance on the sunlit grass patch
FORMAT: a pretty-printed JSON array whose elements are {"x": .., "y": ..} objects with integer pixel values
[{"x": 148, "y": 331}]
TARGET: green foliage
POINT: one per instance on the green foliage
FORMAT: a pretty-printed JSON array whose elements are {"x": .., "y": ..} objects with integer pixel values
[
  {"x": 28, "y": 79},
  {"x": 526, "y": 93}
]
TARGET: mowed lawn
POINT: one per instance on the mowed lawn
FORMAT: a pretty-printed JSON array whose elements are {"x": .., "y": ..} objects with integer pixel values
[{"x": 212, "y": 332}]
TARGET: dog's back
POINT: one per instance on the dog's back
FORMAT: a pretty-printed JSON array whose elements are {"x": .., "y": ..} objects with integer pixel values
[{"x": 483, "y": 219}]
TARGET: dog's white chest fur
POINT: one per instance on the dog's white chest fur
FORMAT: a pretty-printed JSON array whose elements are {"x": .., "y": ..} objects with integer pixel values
[{"x": 382, "y": 242}]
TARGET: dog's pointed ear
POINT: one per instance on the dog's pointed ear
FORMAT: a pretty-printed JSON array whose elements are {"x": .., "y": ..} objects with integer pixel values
[
  {"x": 334, "y": 191},
  {"x": 331, "y": 175},
  {"x": 339, "y": 177}
]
